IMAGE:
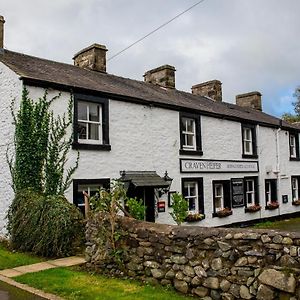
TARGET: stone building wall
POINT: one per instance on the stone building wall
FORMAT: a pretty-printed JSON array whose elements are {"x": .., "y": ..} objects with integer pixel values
[{"x": 210, "y": 263}]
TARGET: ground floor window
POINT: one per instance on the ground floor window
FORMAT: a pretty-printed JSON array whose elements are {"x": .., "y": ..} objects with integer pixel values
[
  {"x": 192, "y": 190},
  {"x": 295, "y": 188},
  {"x": 89, "y": 186},
  {"x": 251, "y": 191},
  {"x": 221, "y": 195},
  {"x": 271, "y": 191}
]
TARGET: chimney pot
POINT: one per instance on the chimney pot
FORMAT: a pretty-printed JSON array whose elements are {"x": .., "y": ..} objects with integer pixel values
[
  {"x": 163, "y": 76},
  {"x": 2, "y": 21},
  {"x": 250, "y": 100},
  {"x": 212, "y": 89},
  {"x": 92, "y": 58}
]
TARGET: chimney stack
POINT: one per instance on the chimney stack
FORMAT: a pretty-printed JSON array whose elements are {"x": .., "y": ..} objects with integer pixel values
[
  {"x": 2, "y": 21},
  {"x": 250, "y": 100},
  {"x": 92, "y": 58},
  {"x": 211, "y": 89},
  {"x": 163, "y": 76}
]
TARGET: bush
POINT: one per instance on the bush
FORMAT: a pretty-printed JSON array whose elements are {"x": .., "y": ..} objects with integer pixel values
[
  {"x": 180, "y": 208},
  {"x": 136, "y": 208},
  {"x": 44, "y": 225}
]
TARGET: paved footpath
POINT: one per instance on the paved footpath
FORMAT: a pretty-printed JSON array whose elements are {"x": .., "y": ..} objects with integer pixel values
[
  {"x": 49, "y": 264},
  {"x": 7, "y": 274}
]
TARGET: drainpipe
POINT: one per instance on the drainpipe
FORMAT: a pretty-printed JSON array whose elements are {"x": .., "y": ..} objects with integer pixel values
[
  {"x": 278, "y": 162},
  {"x": 260, "y": 172}
]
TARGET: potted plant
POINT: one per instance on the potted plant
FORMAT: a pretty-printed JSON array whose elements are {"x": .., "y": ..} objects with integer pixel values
[
  {"x": 224, "y": 212},
  {"x": 272, "y": 205},
  {"x": 194, "y": 217},
  {"x": 253, "y": 208},
  {"x": 296, "y": 202}
]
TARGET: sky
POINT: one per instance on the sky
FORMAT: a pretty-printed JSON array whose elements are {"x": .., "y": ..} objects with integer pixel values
[{"x": 249, "y": 45}]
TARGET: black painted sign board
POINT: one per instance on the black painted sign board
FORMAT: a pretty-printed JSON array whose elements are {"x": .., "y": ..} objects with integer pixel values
[{"x": 237, "y": 192}]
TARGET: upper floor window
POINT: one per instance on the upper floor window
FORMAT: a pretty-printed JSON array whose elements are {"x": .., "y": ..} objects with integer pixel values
[
  {"x": 190, "y": 134},
  {"x": 192, "y": 190},
  {"x": 91, "y": 123},
  {"x": 294, "y": 146},
  {"x": 249, "y": 141}
]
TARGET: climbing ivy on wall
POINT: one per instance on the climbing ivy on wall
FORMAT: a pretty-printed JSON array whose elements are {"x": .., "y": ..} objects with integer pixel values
[{"x": 41, "y": 147}]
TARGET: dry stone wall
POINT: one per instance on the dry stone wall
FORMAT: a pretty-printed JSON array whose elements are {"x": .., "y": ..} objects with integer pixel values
[{"x": 210, "y": 263}]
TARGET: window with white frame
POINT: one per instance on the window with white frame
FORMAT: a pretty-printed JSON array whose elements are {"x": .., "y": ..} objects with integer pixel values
[
  {"x": 247, "y": 141},
  {"x": 88, "y": 186},
  {"x": 218, "y": 197},
  {"x": 295, "y": 188},
  {"x": 250, "y": 192},
  {"x": 190, "y": 193},
  {"x": 189, "y": 134},
  {"x": 270, "y": 190},
  {"x": 89, "y": 122},
  {"x": 293, "y": 151}
]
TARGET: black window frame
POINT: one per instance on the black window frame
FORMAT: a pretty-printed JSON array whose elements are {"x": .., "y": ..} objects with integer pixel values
[
  {"x": 252, "y": 127},
  {"x": 226, "y": 192},
  {"x": 256, "y": 191},
  {"x": 76, "y": 182},
  {"x": 199, "y": 181},
  {"x": 105, "y": 146},
  {"x": 198, "y": 138},
  {"x": 296, "y": 134},
  {"x": 274, "y": 194}
]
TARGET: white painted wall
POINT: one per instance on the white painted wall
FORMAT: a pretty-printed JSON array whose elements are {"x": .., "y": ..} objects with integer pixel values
[
  {"x": 147, "y": 138},
  {"x": 10, "y": 89}
]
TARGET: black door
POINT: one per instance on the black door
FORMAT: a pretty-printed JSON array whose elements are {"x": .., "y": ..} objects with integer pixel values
[
  {"x": 149, "y": 202},
  {"x": 147, "y": 195}
]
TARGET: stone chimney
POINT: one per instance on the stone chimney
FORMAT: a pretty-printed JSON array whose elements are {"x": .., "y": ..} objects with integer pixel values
[
  {"x": 251, "y": 100},
  {"x": 163, "y": 76},
  {"x": 92, "y": 58},
  {"x": 2, "y": 21},
  {"x": 212, "y": 89}
]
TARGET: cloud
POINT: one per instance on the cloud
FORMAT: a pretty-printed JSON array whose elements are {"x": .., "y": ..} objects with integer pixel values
[{"x": 248, "y": 45}]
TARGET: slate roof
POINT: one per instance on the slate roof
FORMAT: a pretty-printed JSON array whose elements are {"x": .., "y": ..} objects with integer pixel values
[
  {"x": 55, "y": 73},
  {"x": 144, "y": 178}
]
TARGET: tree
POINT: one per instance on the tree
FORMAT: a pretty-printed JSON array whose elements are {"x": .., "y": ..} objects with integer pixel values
[{"x": 292, "y": 118}]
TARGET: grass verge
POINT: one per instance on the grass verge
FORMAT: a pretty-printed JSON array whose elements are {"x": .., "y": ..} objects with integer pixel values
[
  {"x": 9, "y": 259},
  {"x": 74, "y": 284}
]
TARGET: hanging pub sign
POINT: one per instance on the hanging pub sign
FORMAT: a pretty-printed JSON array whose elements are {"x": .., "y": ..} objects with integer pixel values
[
  {"x": 237, "y": 190},
  {"x": 161, "y": 206}
]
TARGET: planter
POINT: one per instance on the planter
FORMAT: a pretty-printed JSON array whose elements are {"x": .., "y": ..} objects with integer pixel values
[
  {"x": 223, "y": 213},
  {"x": 194, "y": 218},
  {"x": 272, "y": 205},
  {"x": 253, "y": 208},
  {"x": 296, "y": 202}
]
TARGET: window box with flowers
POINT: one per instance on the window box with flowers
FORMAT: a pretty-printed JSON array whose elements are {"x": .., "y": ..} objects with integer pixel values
[
  {"x": 296, "y": 202},
  {"x": 253, "y": 208},
  {"x": 225, "y": 212},
  {"x": 272, "y": 205},
  {"x": 194, "y": 217}
]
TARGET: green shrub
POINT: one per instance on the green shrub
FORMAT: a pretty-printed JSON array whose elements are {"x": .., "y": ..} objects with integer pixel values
[
  {"x": 180, "y": 208},
  {"x": 44, "y": 225},
  {"x": 136, "y": 208}
]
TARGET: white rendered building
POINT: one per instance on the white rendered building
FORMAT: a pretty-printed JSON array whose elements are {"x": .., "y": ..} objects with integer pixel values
[{"x": 233, "y": 163}]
